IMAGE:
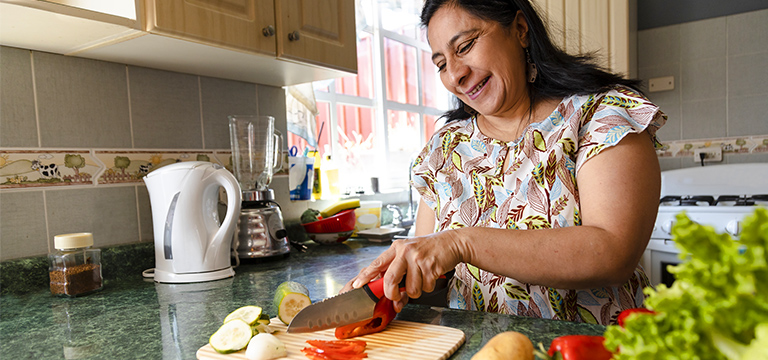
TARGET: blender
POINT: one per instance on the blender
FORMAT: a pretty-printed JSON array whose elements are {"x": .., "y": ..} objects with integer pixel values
[{"x": 256, "y": 143}]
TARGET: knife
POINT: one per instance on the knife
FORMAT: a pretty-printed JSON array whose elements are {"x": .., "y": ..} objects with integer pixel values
[{"x": 343, "y": 309}]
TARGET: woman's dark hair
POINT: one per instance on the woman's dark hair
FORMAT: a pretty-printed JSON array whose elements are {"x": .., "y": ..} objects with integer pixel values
[{"x": 559, "y": 74}]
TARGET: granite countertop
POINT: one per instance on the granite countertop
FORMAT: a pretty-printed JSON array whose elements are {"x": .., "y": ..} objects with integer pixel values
[{"x": 136, "y": 318}]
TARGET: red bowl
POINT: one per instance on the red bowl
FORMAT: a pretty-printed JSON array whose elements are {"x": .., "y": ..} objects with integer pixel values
[{"x": 341, "y": 222}]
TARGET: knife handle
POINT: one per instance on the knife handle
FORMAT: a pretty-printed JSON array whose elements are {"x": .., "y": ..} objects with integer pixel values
[{"x": 375, "y": 288}]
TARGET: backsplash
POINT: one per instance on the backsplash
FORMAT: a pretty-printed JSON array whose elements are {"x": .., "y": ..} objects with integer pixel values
[
  {"x": 719, "y": 66},
  {"x": 77, "y": 135}
]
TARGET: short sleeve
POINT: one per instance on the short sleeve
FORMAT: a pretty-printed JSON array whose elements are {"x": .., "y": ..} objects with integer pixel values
[{"x": 608, "y": 117}]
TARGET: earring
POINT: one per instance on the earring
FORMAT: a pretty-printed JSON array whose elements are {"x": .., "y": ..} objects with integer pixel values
[
  {"x": 532, "y": 71},
  {"x": 469, "y": 110}
]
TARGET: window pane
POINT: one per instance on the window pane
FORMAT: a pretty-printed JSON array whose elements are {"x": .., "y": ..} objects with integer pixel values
[
  {"x": 323, "y": 117},
  {"x": 358, "y": 155},
  {"x": 403, "y": 140},
  {"x": 430, "y": 124},
  {"x": 401, "y": 16},
  {"x": 362, "y": 83},
  {"x": 401, "y": 63}
]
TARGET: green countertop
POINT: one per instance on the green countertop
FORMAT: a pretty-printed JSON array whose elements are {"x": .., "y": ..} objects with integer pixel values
[{"x": 133, "y": 318}]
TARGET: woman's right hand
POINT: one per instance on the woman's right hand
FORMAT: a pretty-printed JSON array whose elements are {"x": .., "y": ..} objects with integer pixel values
[{"x": 420, "y": 259}]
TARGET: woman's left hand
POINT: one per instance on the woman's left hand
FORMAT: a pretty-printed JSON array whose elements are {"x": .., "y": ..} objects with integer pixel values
[{"x": 421, "y": 260}]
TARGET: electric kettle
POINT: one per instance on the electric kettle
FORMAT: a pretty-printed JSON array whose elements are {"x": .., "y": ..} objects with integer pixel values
[{"x": 190, "y": 243}]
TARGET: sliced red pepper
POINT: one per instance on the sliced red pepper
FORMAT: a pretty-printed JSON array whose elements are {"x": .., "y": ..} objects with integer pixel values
[
  {"x": 580, "y": 347},
  {"x": 383, "y": 314},
  {"x": 339, "y": 346},
  {"x": 320, "y": 354},
  {"x": 622, "y": 318}
]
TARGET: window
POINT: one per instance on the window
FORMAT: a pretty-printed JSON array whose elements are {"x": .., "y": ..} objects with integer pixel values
[{"x": 376, "y": 122}]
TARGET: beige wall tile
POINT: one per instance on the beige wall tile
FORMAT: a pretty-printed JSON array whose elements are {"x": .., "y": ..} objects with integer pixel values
[
  {"x": 222, "y": 98},
  {"x": 747, "y": 32},
  {"x": 22, "y": 225},
  {"x": 107, "y": 212},
  {"x": 704, "y": 119},
  {"x": 81, "y": 102},
  {"x": 17, "y": 103},
  {"x": 165, "y": 109}
]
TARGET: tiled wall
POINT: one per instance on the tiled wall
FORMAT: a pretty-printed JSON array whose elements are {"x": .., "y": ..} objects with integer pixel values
[
  {"x": 720, "y": 67},
  {"x": 52, "y": 105}
]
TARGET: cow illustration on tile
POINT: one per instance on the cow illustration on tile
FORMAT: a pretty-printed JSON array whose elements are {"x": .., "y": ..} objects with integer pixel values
[{"x": 47, "y": 171}]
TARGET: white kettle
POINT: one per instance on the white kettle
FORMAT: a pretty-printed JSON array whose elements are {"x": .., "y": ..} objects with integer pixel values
[{"x": 190, "y": 245}]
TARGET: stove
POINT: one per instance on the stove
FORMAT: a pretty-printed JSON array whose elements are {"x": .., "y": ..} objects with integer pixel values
[{"x": 720, "y": 196}]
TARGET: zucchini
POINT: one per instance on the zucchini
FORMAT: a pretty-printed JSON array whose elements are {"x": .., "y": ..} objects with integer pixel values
[
  {"x": 250, "y": 314},
  {"x": 233, "y": 336},
  {"x": 290, "y": 298}
]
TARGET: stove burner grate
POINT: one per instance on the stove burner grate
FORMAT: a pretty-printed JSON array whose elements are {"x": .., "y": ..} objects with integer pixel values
[
  {"x": 741, "y": 200},
  {"x": 688, "y": 200}
]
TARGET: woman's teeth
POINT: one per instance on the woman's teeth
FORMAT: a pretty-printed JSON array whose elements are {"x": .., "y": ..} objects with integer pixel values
[{"x": 478, "y": 87}]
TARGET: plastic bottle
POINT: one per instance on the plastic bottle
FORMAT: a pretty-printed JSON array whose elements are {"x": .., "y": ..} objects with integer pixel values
[
  {"x": 330, "y": 180},
  {"x": 317, "y": 185},
  {"x": 75, "y": 267}
]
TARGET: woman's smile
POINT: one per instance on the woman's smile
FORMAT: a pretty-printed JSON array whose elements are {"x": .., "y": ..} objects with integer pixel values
[{"x": 475, "y": 91}]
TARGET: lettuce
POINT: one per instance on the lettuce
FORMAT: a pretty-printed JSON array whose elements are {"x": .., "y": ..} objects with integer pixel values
[{"x": 717, "y": 308}]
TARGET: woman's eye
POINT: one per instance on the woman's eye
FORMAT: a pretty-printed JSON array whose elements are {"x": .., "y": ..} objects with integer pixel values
[
  {"x": 440, "y": 67},
  {"x": 464, "y": 47}
]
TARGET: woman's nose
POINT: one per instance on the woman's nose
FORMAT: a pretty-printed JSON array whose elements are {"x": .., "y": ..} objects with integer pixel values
[{"x": 457, "y": 72}]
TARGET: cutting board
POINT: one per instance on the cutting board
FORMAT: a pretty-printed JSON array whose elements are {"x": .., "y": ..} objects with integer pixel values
[{"x": 400, "y": 340}]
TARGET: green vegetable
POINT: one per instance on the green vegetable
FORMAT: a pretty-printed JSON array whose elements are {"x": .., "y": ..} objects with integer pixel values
[
  {"x": 233, "y": 336},
  {"x": 717, "y": 308},
  {"x": 290, "y": 298},
  {"x": 250, "y": 314},
  {"x": 309, "y": 216}
]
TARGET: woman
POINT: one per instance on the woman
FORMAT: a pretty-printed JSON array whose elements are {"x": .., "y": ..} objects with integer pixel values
[{"x": 542, "y": 189}]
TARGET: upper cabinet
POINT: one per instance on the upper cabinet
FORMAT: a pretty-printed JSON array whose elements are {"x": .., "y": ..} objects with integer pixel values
[
  {"x": 604, "y": 27},
  {"x": 273, "y": 42}
]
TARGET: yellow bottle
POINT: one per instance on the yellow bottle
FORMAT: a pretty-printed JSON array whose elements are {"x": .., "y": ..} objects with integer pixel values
[
  {"x": 330, "y": 180},
  {"x": 317, "y": 188}
]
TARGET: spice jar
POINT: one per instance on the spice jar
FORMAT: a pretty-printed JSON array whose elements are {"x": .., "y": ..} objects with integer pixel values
[{"x": 74, "y": 268}]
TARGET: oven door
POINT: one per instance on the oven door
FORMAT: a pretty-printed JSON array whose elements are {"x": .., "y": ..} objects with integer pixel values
[{"x": 658, "y": 255}]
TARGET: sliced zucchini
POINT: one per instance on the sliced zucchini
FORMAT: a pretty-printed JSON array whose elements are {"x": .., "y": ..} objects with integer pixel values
[
  {"x": 233, "y": 336},
  {"x": 290, "y": 298},
  {"x": 250, "y": 314}
]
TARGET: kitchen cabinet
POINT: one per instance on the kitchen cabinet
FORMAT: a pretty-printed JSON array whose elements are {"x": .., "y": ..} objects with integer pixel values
[
  {"x": 604, "y": 26},
  {"x": 272, "y": 42}
]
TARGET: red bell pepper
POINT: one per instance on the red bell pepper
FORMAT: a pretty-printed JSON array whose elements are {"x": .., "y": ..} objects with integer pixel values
[
  {"x": 335, "y": 350},
  {"x": 383, "y": 314},
  {"x": 622, "y": 318},
  {"x": 579, "y": 347}
]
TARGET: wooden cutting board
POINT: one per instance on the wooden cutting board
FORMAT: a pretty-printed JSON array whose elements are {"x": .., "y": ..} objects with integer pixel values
[{"x": 400, "y": 340}]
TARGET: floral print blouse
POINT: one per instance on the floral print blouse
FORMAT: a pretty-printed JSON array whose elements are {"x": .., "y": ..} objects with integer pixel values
[{"x": 459, "y": 174}]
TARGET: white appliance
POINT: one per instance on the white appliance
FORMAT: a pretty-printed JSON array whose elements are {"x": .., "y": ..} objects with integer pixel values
[
  {"x": 191, "y": 245},
  {"x": 720, "y": 196}
]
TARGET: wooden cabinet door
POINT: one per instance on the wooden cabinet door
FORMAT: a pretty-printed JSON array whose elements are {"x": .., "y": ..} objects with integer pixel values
[
  {"x": 318, "y": 32},
  {"x": 244, "y": 25},
  {"x": 601, "y": 26}
]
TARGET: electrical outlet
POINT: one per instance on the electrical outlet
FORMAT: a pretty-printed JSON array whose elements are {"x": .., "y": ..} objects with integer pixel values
[{"x": 711, "y": 154}]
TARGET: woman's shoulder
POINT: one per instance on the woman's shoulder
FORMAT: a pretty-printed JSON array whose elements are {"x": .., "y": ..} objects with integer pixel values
[{"x": 454, "y": 127}]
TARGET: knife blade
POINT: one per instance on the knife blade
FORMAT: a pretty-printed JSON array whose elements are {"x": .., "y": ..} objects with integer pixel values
[{"x": 343, "y": 309}]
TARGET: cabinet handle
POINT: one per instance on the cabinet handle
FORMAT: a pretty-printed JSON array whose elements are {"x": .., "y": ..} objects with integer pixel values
[
  {"x": 268, "y": 31},
  {"x": 294, "y": 36}
]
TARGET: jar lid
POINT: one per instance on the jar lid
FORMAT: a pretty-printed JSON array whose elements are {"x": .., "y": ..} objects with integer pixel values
[{"x": 74, "y": 240}]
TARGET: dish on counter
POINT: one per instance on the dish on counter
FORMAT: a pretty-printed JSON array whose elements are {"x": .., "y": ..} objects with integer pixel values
[{"x": 381, "y": 234}]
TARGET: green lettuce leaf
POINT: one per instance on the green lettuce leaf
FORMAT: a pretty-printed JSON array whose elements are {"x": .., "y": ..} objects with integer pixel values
[{"x": 717, "y": 308}]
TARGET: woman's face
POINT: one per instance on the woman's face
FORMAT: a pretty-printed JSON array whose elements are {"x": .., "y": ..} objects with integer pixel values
[{"x": 479, "y": 61}]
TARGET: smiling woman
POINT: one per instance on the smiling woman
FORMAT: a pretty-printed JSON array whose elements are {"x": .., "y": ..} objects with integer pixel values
[{"x": 518, "y": 189}]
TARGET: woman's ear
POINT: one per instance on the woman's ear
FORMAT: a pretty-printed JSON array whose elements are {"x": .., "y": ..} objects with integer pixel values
[{"x": 521, "y": 27}]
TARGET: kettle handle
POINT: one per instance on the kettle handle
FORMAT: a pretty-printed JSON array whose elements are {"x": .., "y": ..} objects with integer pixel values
[
  {"x": 232, "y": 187},
  {"x": 278, "y": 161}
]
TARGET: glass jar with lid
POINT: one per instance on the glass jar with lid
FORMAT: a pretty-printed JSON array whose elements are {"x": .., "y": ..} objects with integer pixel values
[{"x": 75, "y": 267}]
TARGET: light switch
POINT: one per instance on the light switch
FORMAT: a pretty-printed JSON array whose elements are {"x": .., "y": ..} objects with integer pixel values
[{"x": 661, "y": 84}]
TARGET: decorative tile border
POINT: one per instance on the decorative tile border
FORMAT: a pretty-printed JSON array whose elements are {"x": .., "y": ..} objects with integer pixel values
[
  {"x": 731, "y": 145},
  {"x": 29, "y": 168}
]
